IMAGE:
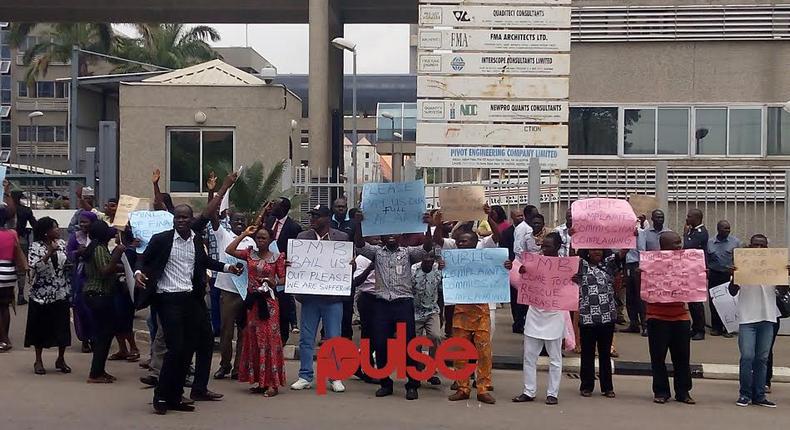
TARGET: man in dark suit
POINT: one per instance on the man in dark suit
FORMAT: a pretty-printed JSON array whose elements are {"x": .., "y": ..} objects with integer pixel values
[
  {"x": 284, "y": 229},
  {"x": 508, "y": 240},
  {"x": 172, "y": 272},
  {"x": 696, "y": 237}
]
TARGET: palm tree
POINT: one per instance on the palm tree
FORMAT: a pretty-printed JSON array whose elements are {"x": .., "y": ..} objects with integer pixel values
[
  {"x": 174, "y": 46},
  {"x": 57, "y": 42}
]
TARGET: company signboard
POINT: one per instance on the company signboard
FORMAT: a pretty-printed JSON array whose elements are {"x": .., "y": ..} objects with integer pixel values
[
  {"x": 460, "y": 40},
  {"x": 488, "y": 157},
  {"x": 500, "y": 87},
  {"x": 493, "y": 64},
  {"x": 432, "y": 133},
  {"x": 496, "y": 16},
  {"x": 492, "y": 110}
]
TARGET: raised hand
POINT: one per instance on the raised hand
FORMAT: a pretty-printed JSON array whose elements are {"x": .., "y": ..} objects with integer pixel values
[
  {"x": 211, "y": 183},
  {"x": 156, "y": 176},
  {"x": 249, "y": 231}
]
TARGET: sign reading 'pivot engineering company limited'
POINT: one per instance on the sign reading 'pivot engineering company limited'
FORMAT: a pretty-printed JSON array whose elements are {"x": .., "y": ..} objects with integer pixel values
[{"x": 500, "y": 96}]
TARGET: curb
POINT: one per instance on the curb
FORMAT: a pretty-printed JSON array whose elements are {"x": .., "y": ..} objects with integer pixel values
[{"x": 727, "y": 372}]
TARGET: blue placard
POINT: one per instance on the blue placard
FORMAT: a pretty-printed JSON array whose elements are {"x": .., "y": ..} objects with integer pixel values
[
  {"x": 145, "y": 224},
  {"x": 241, "y": 281},
  {"x": 393, "y": 208},
  {"x": 475, "y": 276}
]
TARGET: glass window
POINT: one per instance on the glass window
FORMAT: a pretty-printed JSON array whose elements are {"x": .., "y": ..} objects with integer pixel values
[
  {"x": 61, "y": 90},
  {"x": 745, "y": 131},
  {"x": 711, "y": 132},
  {"x": 639, "y": 134},
  {"x": 193, "y": 153},
  {"x": 26, "y": 133},
  {"x": 185, "y": 161},
  {"x": 45, "y": 89},
  {"x": 5, "y": 52},
  {"x": 46, "y": 133},
  {"x": 21, "y": 89},
  {"x": 5, "y": 127},
  {"x": 5, "y": 141},
  {"x": 593, "y": 131},
  {"x": 673, "y": 131},
  {"x": 61, "y": 134},
  {"x": 778, "y": 131}
]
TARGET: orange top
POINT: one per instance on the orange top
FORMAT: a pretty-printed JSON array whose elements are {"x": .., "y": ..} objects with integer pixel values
[{"x": 667, "y": 311}]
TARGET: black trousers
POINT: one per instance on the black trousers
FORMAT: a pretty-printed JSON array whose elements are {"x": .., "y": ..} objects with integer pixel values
[
  {"x": 517, "y": 311},
  {"x": 633, "y": 299},
  {"x": 715, "y": 279},
  {"x": 593, "y": 336},
  {"x": 770, "y": 371},
  {"x": 366, "y": 304},
  {"x": 674, "y": 336},
  {"x": 697, "y": 311},
  {"x": 287, "y": 306},
  {"x": 346, "y": 326},
  {"x": 102, "y": 309},
  {"x": 187, "y": 330},
  {"x": 387, "y": 315}
]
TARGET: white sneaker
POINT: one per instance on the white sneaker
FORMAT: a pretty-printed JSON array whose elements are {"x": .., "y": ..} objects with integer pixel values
[
  {"x": 337, "y": 386},
  {"x": 301, "y": 384}
]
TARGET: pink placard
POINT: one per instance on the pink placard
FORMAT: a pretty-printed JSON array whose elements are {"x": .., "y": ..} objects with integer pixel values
[
  {"x": 546, "y": 283},
  {"x": 603, "y": 224},
  {"x": 673, "y": 276}
]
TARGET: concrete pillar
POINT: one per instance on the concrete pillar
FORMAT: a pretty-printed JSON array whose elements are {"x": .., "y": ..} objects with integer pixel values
[
  {"x": 413, "y": 34},
  {"x": 325, "y": 81},
  {"x": 662, "y": 185},
  {"x": 534, "y": 182}
]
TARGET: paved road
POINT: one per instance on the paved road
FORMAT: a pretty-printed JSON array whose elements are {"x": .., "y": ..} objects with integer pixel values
[{"x": 67, "y": 402}]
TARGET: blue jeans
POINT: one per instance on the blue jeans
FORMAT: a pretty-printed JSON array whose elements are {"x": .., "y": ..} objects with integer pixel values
[
  {"x": 754, "y": 342},
  {"x": 315, "y": 310}
]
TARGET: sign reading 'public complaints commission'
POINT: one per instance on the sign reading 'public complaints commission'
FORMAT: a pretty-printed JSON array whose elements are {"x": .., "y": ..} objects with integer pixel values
[
  {"x": 496, "y": 16},
  {"x": 495, "y": 40},
  {"x": 492, "y": 64},
  {"x": 492, "y": 134},
  {"x": 320, "y": 267},
  {"x": 603, "y": 224},
  {"x": 673, "y": 276},
  {"x": 475, "y": 276},
  {"x": 484, "y": 87},
  {"x": 492, "y": 110},
  {"x": 487, "y": 157}
]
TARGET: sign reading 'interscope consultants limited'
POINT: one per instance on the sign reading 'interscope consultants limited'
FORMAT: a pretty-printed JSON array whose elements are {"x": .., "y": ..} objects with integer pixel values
[{"x": 494, "y": 64}]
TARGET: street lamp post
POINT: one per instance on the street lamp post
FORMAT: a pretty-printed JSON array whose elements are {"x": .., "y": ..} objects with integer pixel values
[
  {"x": 32, "y": 116},
  {"x": 347, "y": 45}
]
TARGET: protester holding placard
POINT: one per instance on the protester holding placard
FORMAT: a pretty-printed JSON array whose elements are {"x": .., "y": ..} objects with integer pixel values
[
  {"x": 720, "y": 264},
  {"x": 597, "y": 317},
  {"x": 668, "y": 328},
  {"x": 427, "y": 286},
  {"x": 395, "y": 299},
  {"x": 696, "y": 237},
  {"x": 543, "y": 329},
  {"x": 539, "y": 231},
  {"x": 230, "y": 300},
  {"x": 324, "y": 309},
  {"x": 758, "y": 315},
  {"x": 284, "y": 228},
  {"x": 262, "y": 360}
]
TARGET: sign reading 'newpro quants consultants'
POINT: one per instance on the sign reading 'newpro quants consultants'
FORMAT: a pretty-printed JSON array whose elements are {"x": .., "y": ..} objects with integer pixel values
[{"x": 492, "y": 110}]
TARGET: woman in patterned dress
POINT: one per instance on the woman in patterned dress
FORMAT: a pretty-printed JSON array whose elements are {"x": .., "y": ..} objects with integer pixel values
[
  {"x": 48, "y": 314},
  {"x": 262, "y": 360}
]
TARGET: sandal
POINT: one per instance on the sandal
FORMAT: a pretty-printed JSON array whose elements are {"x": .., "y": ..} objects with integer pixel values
[
  {"x": 133, "y": 356},
  {"x": 271, "y": 392},
  {"x": 118, "y": 356},
  {"x": 660, "y": 400},
  {"x": 38, "y": 369},
  {"x": 110, "y": 377},
  {"x": 5, "y": 347},
  {"x": 258, "y": 390},
  {"x": 62, "y": 366}
]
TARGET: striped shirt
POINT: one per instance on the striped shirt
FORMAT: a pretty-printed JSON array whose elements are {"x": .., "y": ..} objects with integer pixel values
[{"x": 180, "y": 267}]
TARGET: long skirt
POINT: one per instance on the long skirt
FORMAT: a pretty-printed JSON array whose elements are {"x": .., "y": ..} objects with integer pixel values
[
  {"x": 262, "y": 359},
  {"x": 48, "y": 325},
  {"x": 83, "y": 319}
]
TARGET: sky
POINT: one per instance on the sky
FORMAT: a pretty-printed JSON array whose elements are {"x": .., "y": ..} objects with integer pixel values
[{"x": 380, "y": 48}]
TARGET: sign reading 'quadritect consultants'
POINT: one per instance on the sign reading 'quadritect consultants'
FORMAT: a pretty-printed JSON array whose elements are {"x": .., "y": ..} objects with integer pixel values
[{"x": 504, "y": 83}]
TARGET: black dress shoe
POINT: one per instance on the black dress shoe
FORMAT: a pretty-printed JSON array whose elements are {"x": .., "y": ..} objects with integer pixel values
[
  {"x": 149, "y": 380},
  {"x": 384, "y": 392},
  {"x": 186, "y": 401},
  {"x": 698, "y": 336},
  {"x": 205, "y": 396},
  {"x": 221, "y": 373},
  {"x": 521, "y": 398},
  {"x": 181, "y": 407},
  {"x": 411, "y": 394},
  {"x": 630, "y": 329},
  {"x": 160, "y": 408},
  {"x": 434, "y": 380}
]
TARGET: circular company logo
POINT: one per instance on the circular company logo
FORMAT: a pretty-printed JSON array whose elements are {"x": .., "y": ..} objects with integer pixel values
[{"x": 458, "y": 64}]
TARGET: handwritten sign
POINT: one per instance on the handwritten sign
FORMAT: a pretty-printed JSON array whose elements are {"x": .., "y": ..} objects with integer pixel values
[
  {"x": 603, "y": 223},
  {"x": 393, "y": 208},
  {"x": 241, "y": 281},
  {"x": 547, "y": 282},
  {"x": 673, "y": 276},
  {"x": 321, "y": 267},
  {"x": 726, "y": 306},
  {"x": 126, "y": 205},
  {"x": 475, "y": 276},
  {"x": 128, "y": 274},
  {"x": 760, "y": 266},
  {"x": 462, "y": 203},
  {"x": 643, "y": 205},
  {"x": 3, "y": 171},
  {"x": 145, "y": 224}
]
